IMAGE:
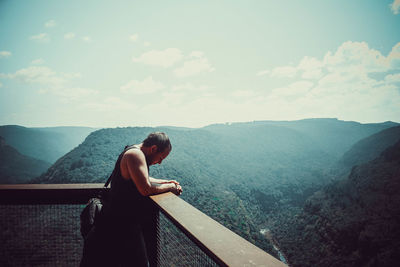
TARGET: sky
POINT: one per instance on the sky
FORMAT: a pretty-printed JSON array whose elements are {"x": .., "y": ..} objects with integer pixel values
[{"x": 194, "y": 63}]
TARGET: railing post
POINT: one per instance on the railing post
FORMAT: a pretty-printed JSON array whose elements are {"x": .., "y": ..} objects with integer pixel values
[{"x": 150, "y": 232}]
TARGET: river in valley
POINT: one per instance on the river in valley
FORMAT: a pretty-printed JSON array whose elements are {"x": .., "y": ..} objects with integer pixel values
[{"x": 267, "y": 233}]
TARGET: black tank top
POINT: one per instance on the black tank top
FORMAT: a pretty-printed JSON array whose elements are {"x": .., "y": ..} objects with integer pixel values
[{"x": 126, "y": 202}]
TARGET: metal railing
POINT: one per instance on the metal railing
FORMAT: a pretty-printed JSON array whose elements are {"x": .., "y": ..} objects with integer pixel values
[{"x": 40, "y": 227}]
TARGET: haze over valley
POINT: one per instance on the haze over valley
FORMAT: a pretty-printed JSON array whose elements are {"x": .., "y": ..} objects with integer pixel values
[{"x": 256, "y": 178}]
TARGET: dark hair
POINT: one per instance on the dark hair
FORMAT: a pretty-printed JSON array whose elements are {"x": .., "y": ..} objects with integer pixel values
[{"x": 159, "y": 139}]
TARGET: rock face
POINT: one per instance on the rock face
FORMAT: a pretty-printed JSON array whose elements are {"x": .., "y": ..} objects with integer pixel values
[{"x": 354, "y": 222}]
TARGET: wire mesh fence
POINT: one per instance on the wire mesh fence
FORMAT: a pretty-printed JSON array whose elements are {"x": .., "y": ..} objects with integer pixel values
[
  {"x": 176, "y": 249},
  {"x": 40, "y": 235},
  {"x": 49, "y": 235}
]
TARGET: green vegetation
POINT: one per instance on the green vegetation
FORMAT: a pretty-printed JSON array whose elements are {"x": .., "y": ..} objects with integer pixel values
[
  {"x": 286, "y": 177},
  {"x": 47, "y": 144},
  {"x": 369, "y": 148},
  {"x": 352, "y": 222},
  {"x": 247, "y": 176},
  {"x": 16, "y": 168}
]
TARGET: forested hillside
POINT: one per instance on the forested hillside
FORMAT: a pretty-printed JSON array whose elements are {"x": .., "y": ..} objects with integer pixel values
[
  {"x": 331, "y": 135},
  {"x": 94, "y": 159},
  {"x": 369, "y": 148},
  {"x": 47, "y": 144},
  {"x": 17, "y": 168},
  {"x": 248, "y": 176},
  {"x": 353, "y": 222}
]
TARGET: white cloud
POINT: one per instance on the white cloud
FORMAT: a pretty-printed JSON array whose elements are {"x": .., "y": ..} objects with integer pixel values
[
  {"x": 109, "y": 105},
  {"x": 311, "y": 68},
  {"x": 318, "y": 89},
  {"x": 294, "y": 90},
  {"x": 393, "y": 78},
  {"x": 395, "y": 7},
  {"x": 343, "y": 86},
  {"x": 38, "y": 61},
  {"x": 263, "y": 72},
  {"x": 196, "y": 54},
  {"x": 164, "y": 58},
  {"x": 50, "y": 24},
  {"x": 189, "y": 87},
  {"x": 196, "y": 62},
  {"x": 355, "y": 56},
  {"x": 71, "y": 75},
  {"x": 69, "y": 35},
  {"x": 146, "y": 44},
  {"x": 203, "y": 110},
  {"x": 394, "y": 57},
  {"x": 41, "y": 37},
  {"x": 87, "y": 39},
  {"x": 243, "y": 94},
  {"x": 147, "y": 86},
  {"x": 4, "y": 54},
  {"x": 1, "y": 85},
  {"x": 38, "y": 74},
  {"x": 350, "y": 57},
  {"x": 47, "y": 81},
  {"x": 134, "y": 37},
  {"x": 73, "y": 93},
  {"x": 353, "y": 95},
  {"x": 194, "y": 66},
  {"x": 284, "y": 72},
  {"x": 174, "y": 98}
]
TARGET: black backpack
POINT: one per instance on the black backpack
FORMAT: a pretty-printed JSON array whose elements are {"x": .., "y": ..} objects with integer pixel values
[{"x": 93, "y": 208}]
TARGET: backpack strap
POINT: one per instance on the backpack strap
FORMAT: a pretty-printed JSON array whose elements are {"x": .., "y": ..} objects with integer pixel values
[
  {"x": 116, "y": 167},
  {"x": 108, "y": 180}
]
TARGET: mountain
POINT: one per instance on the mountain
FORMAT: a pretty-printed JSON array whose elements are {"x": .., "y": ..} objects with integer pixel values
[
  {"x": 369, "y": 148},
  {"x": 47, "y": 144},
  {"x": 353, "y": 222},
  {"x": 218, "y": 174},
  {"x": 263, "y": 155},
  {"x": 190, "y": 162},
  {"x": 245, "y": 175},
  {"x": 331, "y": 135},
  {"x": 17, "y": 168}
]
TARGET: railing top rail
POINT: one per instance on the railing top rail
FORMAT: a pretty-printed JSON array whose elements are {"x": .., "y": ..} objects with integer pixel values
[
  {"x": 47, "y": 193},
  {"x": 227, "y": 247},
  {"x": 50, "y": 186},
  {"x": 224, "y": 246}
]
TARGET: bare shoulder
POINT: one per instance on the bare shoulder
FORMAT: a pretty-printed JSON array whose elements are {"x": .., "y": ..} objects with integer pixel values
[
  {"x": 134, "y": 156},
  {"x": 133, "y": 159}
]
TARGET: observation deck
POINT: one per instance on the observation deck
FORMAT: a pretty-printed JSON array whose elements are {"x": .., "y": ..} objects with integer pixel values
[{"x": 40, "y": 226}]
